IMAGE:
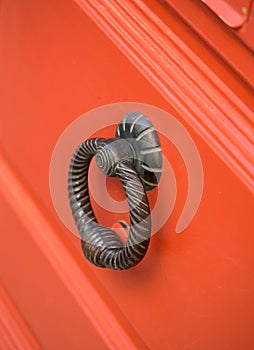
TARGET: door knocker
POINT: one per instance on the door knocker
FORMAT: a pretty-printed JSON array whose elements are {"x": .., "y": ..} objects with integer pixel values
[{"x": 134, "y": 156}]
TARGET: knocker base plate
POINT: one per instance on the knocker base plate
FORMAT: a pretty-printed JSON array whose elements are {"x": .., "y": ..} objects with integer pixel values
[{"x": 140, "y": 132}]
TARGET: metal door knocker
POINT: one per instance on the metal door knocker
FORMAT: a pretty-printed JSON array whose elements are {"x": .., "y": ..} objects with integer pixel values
[{"x": 135, "y": 157}]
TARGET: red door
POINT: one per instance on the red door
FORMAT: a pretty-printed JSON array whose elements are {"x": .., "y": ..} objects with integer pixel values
[{"x": 62, "y": 59}]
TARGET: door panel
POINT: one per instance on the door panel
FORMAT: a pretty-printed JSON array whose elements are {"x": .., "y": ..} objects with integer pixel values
[{"x": 192, "y": 290}]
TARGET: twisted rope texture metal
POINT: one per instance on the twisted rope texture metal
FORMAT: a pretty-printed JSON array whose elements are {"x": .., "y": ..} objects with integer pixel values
[{"x": 101, "y": 245}]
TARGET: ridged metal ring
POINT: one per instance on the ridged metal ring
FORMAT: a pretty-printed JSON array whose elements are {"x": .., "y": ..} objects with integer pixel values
[{"x": 101, "y": 245}]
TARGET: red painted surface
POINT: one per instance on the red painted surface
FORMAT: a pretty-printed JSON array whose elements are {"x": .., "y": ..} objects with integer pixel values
[
  {"x": 219, "y": 37},
  {"x": 191, "y": 291},
  {"x": 233, "y": 12},
  {"x": 237, "y": 14},
  {"x": 246, "y": 32}
]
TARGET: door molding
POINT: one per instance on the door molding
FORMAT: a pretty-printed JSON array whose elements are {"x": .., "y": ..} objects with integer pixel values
[{"x": 197, "y": 93}]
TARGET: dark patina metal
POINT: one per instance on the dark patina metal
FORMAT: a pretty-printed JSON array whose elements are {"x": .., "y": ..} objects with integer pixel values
[{"x": 135, "y": 157}]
